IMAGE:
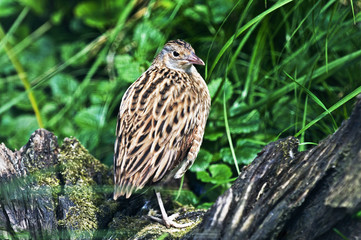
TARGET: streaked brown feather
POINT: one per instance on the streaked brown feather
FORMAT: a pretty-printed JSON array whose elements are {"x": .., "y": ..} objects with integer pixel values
[{"x": 161, "y": 117}]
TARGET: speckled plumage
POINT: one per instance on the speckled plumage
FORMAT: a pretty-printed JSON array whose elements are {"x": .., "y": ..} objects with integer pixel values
[{"x": 161, "y": 120}]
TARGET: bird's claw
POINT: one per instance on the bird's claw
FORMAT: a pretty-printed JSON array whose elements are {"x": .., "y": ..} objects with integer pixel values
[{"x": 168, "y": 222}]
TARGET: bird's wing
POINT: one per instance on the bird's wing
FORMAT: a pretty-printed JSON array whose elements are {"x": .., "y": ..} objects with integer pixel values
[{"x": 156, "y": 122}]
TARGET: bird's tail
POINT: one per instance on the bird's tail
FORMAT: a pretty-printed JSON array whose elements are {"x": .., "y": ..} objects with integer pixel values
[{"x": 123, "y": 189}]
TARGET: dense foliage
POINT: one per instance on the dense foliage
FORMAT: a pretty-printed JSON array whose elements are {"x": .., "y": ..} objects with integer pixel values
[{"x": 274, "y": 68}]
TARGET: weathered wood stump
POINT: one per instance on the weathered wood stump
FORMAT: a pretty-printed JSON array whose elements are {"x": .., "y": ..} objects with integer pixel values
[
  {"x": 285, "y": 194},
  {"x": 25, "y": 204},
  {"x": 52, "y": 192}
]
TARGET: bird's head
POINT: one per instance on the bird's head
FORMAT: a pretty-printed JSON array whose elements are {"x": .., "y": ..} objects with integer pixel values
[{"x": 178, "y": 55}]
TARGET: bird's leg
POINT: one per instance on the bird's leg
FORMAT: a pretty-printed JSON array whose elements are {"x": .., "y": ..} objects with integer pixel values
[{"x": 167, "y": 221}]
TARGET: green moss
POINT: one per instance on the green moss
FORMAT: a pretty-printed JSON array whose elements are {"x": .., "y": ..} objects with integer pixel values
[
  {"x": 79, "y": 169},
  {"x": 124, "y": 227},
  {"x": 47, "y": 179},
  {"x": 140, "y": 227},
  {"x": 78, "y": 163},
  {"x": 155, "y": 230},
  {"x": 287, "y": 147}
]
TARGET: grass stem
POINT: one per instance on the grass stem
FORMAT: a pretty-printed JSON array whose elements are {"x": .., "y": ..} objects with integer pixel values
[{"x": 23, "y": 77}]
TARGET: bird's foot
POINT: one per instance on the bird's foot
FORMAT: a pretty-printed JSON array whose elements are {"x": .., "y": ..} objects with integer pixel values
[{"x": 168, "y": 221}]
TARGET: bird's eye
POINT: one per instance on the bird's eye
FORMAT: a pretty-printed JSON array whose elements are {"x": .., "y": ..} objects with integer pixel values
[{"x": 175, "y": 53}]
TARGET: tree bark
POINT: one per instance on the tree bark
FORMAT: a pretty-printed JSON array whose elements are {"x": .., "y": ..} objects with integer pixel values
[
  {"x": 286, "y": 194},
  {"x": 26, "y": 207}
]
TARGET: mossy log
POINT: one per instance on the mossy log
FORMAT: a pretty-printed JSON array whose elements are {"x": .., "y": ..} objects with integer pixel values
[{"x": 52, "y": 192}]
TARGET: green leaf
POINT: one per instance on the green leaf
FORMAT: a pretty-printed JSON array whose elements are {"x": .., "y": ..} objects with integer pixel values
[
  {"x": 228, "y": 90},
  {"x": 128, "y": 70},
  {"x": 147, "y": 36},
  {"x": 100, "y": 91},
  {"x": 89, "y": 118},
  {"x": 39, "y": 57},
  {"x": 213, "y": 131},
  {"x": 220, "y": 9},
  {"x": 71, "y": 49},
  {"x": 49, "y": 109},
  {"x": 226, "y": 155},
  {"x": 219, "y": 173},
  {"x": 63, "y": 86},
  {"x": 38, "y": 6},
  {"x": 245, "y": 151},
  {"x": 202, "y": 162},
  {"x": 89, "y": 138},
  {"x": 206, "y": 205},
  {"x": 56, "y": 17},
  {"x": 204, "y": 176},
  {"x": 245, "y": 124},
  {"x": 198, "y": 13},
  {"x": 213, "y": 136},
  {"x": 186, "y": 197},
  {"x": 7, "y": 8},
  {"x": 213, "y": 86},
  {"x": 18, "y": 129},
  {"x": 26, "y": 105},
  {"x": 99, "y": 14},
  {"x": 236, "y": 107}
]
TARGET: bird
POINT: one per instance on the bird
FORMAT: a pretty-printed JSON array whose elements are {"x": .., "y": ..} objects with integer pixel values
[{"x": 161, "y": 123}]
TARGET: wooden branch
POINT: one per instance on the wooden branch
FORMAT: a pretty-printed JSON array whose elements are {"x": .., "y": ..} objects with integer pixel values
[{"x": 285, "y": 194}]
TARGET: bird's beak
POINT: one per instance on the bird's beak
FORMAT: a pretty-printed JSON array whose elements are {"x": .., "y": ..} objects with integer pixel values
[{"x": 194, "y": 59}]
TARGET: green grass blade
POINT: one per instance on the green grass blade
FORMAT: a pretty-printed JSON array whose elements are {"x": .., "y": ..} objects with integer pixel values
[
  {"x": 14, "y": 26},
  {"x": 229, "y": 137},
  {"x": 96, "y": 64},
  {"x": 313, "y": 96},
  {"x": 338, "y": 231},
  {"x": 180, "y": 188},
  {"x": 23, "y": 77},
  {"x": 353, "y": 12},
  {"x": 230, "y": 65},
  {"x": 24, "y": 44},
  {"x": 242, "y": 29},
  {"x": 207, "y": 73},
  {"x": 304, "y": 118},
  {"x": 344, "y": 100},
  {"x": 6, "y": 106},
  {"x": 332, "y": 66}
]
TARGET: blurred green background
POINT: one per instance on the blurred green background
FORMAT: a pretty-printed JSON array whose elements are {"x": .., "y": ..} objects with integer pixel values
[{"x": 274, "y": 69}]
